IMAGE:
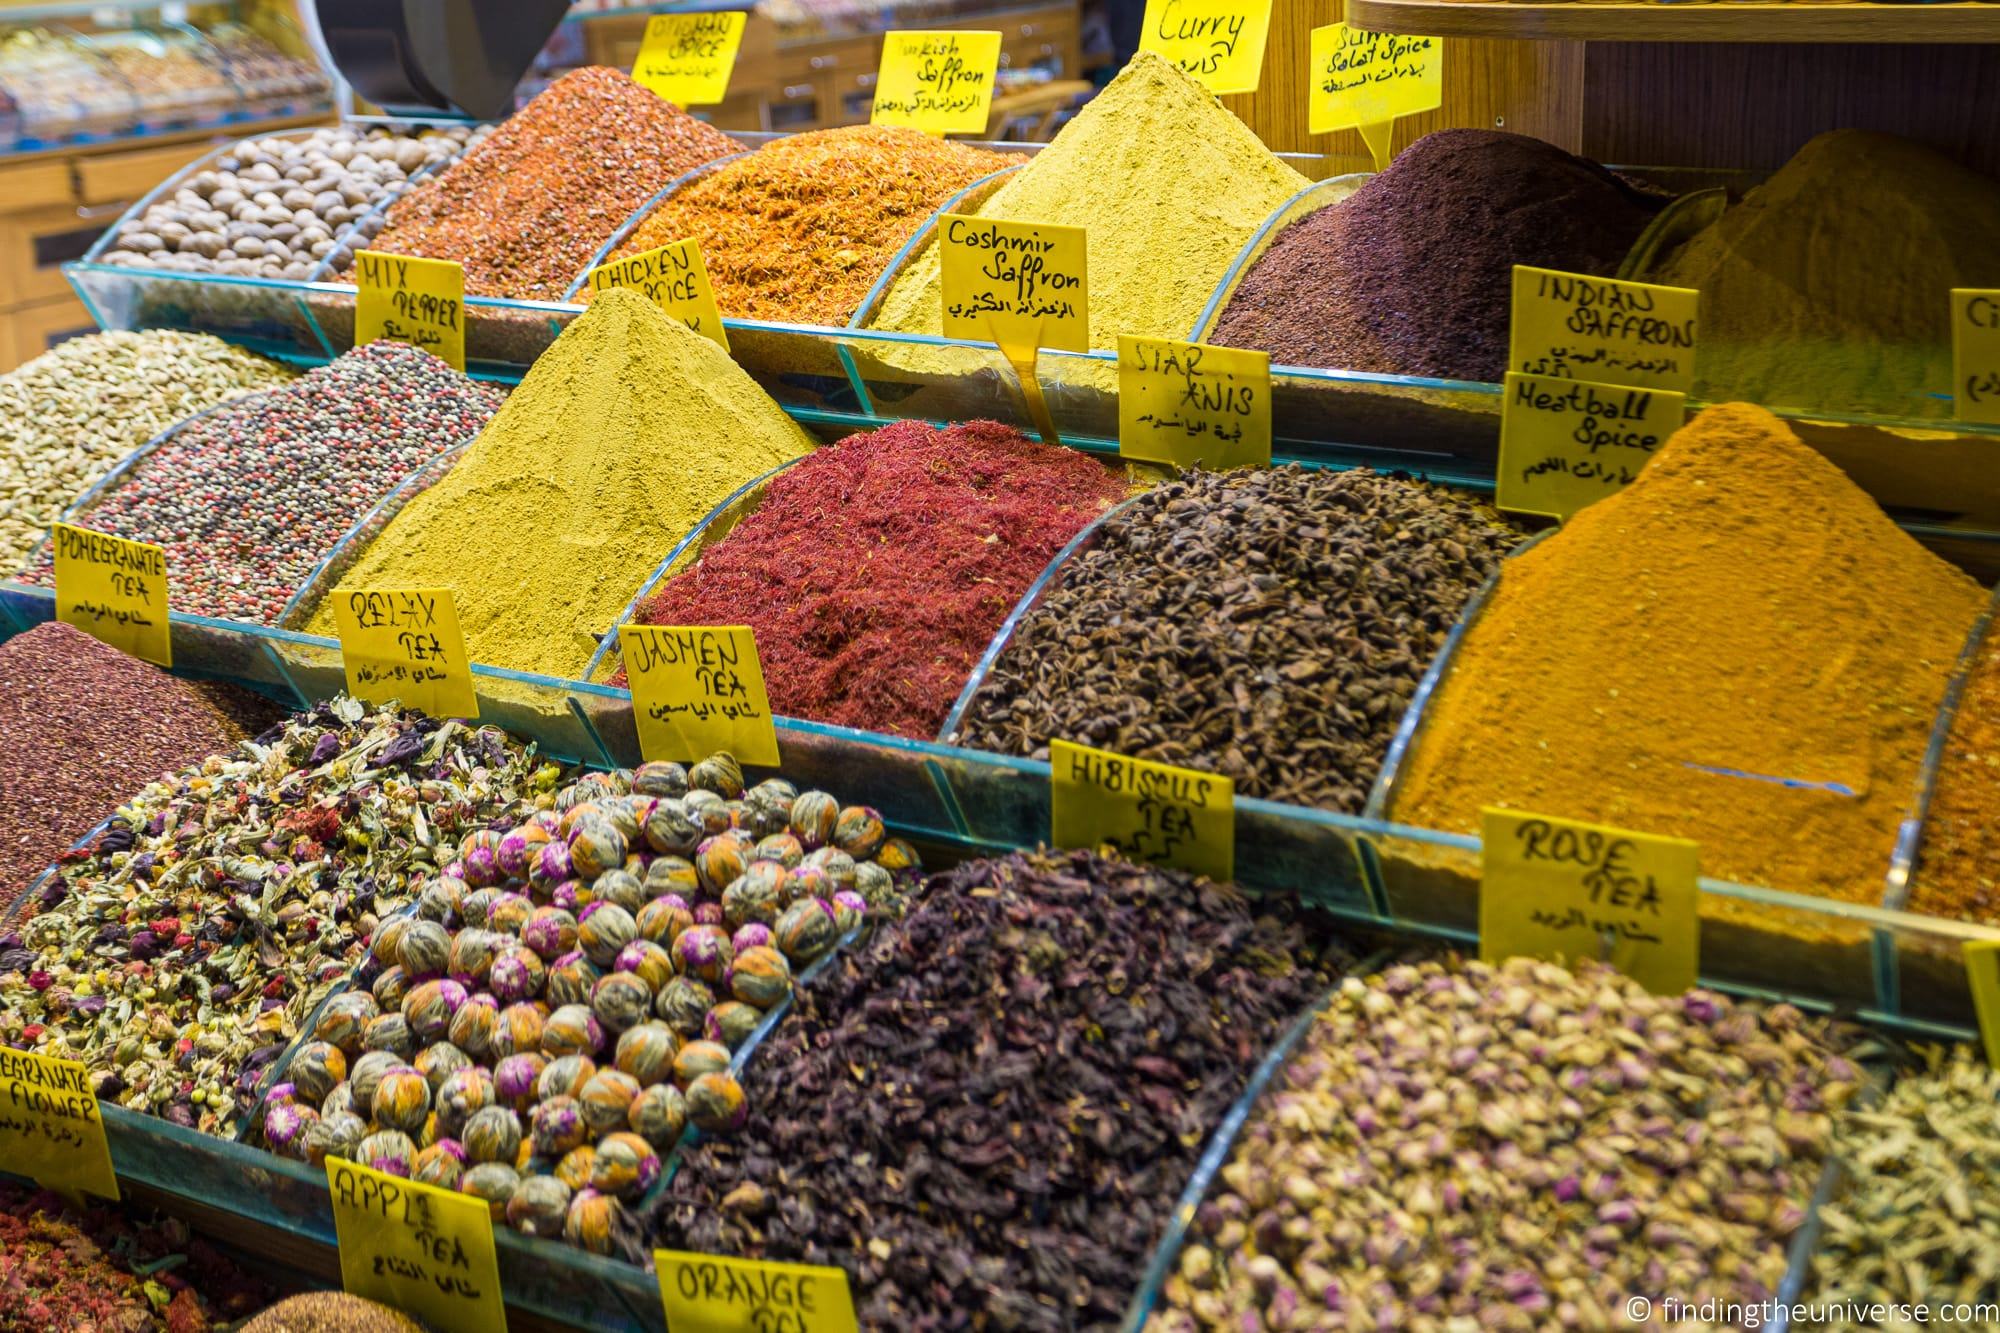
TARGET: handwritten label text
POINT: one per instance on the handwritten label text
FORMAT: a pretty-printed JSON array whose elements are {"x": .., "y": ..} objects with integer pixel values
[
  {"x": 1153, "y": 812},
  {"x": 1193, "y": 405},
  {"x": 707, "y": 1293},
  {"x": 1565, "y": 444},
  {"x": 697, "y": 689},
  {"x": 1572, "y": 326},
  {"x": 1370, "y": 78},
  {"x": 937, "y": 82},
  {"x": 674, "y": 278},
  {"x": 1019, "y": 283},
  {"x": 115, "y": 590},
  {"x": 415, "y": 301},
  {"x": 404, "y": 644},
  {"x": 688, "y": 58},
  {"x": 1220, "y": 42},
  {"x": 50, "y": 1127},
  {"x": 426, "y": 1251}
]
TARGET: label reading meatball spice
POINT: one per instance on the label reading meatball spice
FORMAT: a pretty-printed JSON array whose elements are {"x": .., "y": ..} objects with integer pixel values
[
  {"x": 1565, "y": 444},
  {"x": 697, "y": 689},
  {"x": 1982, "y": 971},
  {"x": 1193, "y": 405},
  {"x": 674, "y": 278},
  {"x": 416, "y": 301},
  {"x": 404, "y": 645},
  {"x": 1975, "y": 355},
  {"x": 1575, "y": 327},
  {"x": 1156, "y": 813},
  {"x": 707, "y": 1293},
  {"x": 688, "y": 58},
  {"x": 50, "y": 1128},
  {"x": 1560, "y": 889},
  {"x": 1365, "y": 80},
  {"x": 1025, "y": 283},
  {"x": 937, "y": 82},
  {"x": 1220, "y": 42},
  {"x": 115, "y": 590},
  {"x": 425, "y": 1251}
]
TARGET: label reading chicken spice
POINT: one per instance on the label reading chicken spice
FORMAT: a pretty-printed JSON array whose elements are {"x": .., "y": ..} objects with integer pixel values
[
  {"x": 697, "y": 689},
  {"x": 708, "y": 1293},
  {"x": 416, "y": 301},
  {"x": 1365, "y": 80},
  {"x": 115, "y": 590},
  {"x": 1151, "y": 812},
  {"x": 688, "y": 58},
  {"x": 1192, "y": 405},
  {"x": 1566, "y": 444},
  {"x": 1220, "y": 42},
  {"x": 1575, "y": 327},
  {"x": 674, "y": 278},
  {"x": 404, "y": 645},
  {"x": 50, "y": 1127},
  {"x": 1975, "y": 355},
  {"x": 937, "y": 82},
  {"x": 1561, "y": 889},
  {"x": 426, "y": 1251},
  {"x": 1982, "y": 971}
]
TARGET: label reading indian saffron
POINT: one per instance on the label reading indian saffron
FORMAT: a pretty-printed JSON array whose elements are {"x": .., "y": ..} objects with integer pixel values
[
  {"x": 688, "y": 58},
  {"x": 1179, "y": 817},
  {"x": 1576, "y": 327},
  {"x": 1193, "y": 405},
  {"x": 1565, "y": 444},
  {"x": 1565, "y": 890},
  {"x": 114, "y": 589},
  {"x": 707, "y": 1293},
  {"x": 697, "y": 689},
  {"x": 50, "y": 1127},
  {"x": 1982, "y": 972},
  {"x": 674, "y": 278},
  {"x": 403, "y": 645},
  {"x": 426, "y": 1251},
  {"x": 416, "y": 301},
  {"x": 1219, "y": 42},
  {"x": 1975, "y": 355},
  {"x": 1024, "y": 284},
  {"x": 1365, "y": 80},
  {"x": 937, "y": 82}
]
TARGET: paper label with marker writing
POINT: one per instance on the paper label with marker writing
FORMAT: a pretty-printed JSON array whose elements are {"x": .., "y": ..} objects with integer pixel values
[
  {"x": 1193, "y": 405},
  {"x": 697, "y": 689},
  {"x": 1574, "y": 326},
  {"x": 426, "y": 1251},
  {"x": 1559, "y": 888},
  {"x": 1368, "y": 78},
  {"x": 1975, "y": 355},
  {"x": 1219, "y": 42},
  {"x": 1179, "y": 817},
  {"x": 1021, "y": 283},
  {"x": 674, "y": 278},
  {"x": 416, "y": 301},
  {"x": 1566, "y": 444},
  {"x": 937, "y": 82},
  {"x": 404, "y": 644},
  {"x": 51, "y": 1129},
  {"x": 114, "y": 589},
  {"x": 709, "y": 1293},
  {"x": 1982, "y": 970},
  {"x": 688, "y": 58}
]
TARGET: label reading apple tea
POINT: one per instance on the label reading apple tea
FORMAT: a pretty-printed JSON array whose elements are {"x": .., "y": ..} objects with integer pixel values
[
  {"x": 416, "y": 301},
  {"x": 426, "y": 1251},
  {"x": 1152, "y": 812},
  {"x": 403, "y": 645},
  {"x": 115, "y": 590},
  {"x": 1220, "y": 42},
  {"x": 936, "y": 82},
  {"x": 1193, "y": 405}
]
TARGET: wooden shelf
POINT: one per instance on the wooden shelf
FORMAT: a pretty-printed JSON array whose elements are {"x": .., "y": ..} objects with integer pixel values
[{"x": 1685, "y": 22}]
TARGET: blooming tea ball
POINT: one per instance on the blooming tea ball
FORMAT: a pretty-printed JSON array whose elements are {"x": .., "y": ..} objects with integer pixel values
[
  {"x": 808, "y": 881},
  {"x": 719, "y": 773},
  {"x": 480, "y": 866},
  {"x": 425, "y": 949},
  {"x": 859, "y": 832},
  {"x": 318, "y": 1068},
  {"x": 463, "y": 1094},
  {"x": 509, "y": 912},
  {"x": 556, "y": 1126},
  {"x": 684, "y": 1004},
  {"x": 571, "y": 979},
  {"x": 338, "y": 1135},
  {"x": 575, "y": 1167},
  {"x": 475, "y": 1025},
  {"x": 663, "y": 919},
  {"x": 849, "y": 908},
  {"x": 342, "y": 1021},
  {"x": 647, "y": 1051},
  {"x": 572, "y": 896},
  {"x": 670, "y": 828},
  {"x": 708, "y": 912},
  {"x": 539, "y": 1206},
  {"x": 760, "y": 976},
  {"x": 518, "y": 848},
  {"x": 440, "y": 898},
  {"x": 387, "y": 1150},
  {"x": 719, "y": 860},
  {"x": 836, "y": 865},
  {"x": 708, "y": 810},
  {"x": 807, "y": 929},
  {"x": 658, "y": 1115},
  {"x": 390, "y": 1032},
  {"x": 876, "y": 886},
  {"x": 474, "y": 908},
  {"x": 814, "y": 816},
  {"x": 595, "y": 846},
  {"x": 492, "y": 1135},
  {"x": 603, "y": 930},
  {"x": 731, "y": 1023},
  {"x": 429, "y": 1006},
  {"x": 550, "y": 932},
  {"x": 715, "y": 1103},
  {"x": 285, "y": 1126},
  {"x": 754, "y": 895},
  {"x": 697, "y": 1058},
  {"x": 386, "y": 946},
  {"x": 438, "y": 1063},
  {"x": 565, "y": 1077},
  {"x": 660, "y": 779},
  {"x": 402, "y": 1100},
  {"x": 626, "y": 1165},
  {"x": 518, "y": 974},
  {"x": 494, "y": 1182},
  {"x": 751, "y": 935},
  {"x": 389, "y": 990},
  {"x": 605, "y": 1099},
  {"x": 704, "y": 953},
  {"x": 897, "y": 857},
  {"x": 515, "y": 1079},
  {"x": 621, "y": 888},
  {"x": 620, "y": 1000},
  {"x": 472, "y": 954},
  {"x": 442, "y": 1164},
  {"x": 782, "y": 849},
  {"x": 366, "y": 1076},
  {"x": 593, "y": 1221},
  {"x": 521, "y": 1028},
  {"x": 572, "y": 1030},
  {"x": 551, "y": 865},
  {"x": 648, "y": 962},
  {"x": 338, "y": 1102}
]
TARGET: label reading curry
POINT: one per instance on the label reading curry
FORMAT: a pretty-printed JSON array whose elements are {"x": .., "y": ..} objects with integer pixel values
[
  {"x": 688, "y": 58},
  {"x": 1366, "y": 80},
  {"x": 708, "y": 1293},
  {"x": 936, "y": 82},
  {"x": 416, "y": 301},
  {"x": 114, "y": 589},
  {"x": 1975, "y": 355},
  {"x": 1179, "y": 817},
  {"x": 697, "y": 689},
  {"x": 426, "y": 1251},
  {"x": 1024, "y": 284},
  {"x": 1566, "y": 444},
  {"x": 674, "y": 278},
  {"x": 404, "y": 645},
  {"x": 1982, "y": 971},
  {"x": 51, "y": 1129},
  {"x": 1193, "y": 405},
  {"x": 1573, "y": 326},
  {"x": 1220, "y": 42}
]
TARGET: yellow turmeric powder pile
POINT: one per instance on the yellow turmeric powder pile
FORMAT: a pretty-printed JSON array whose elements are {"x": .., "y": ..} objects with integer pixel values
[
  {"x": 1739, "y": 648},
  {"x": 1958, "y": 861}
]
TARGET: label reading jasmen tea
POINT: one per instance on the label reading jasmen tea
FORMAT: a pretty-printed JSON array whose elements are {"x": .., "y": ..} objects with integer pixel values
[
  {"x": 1179, "y": 817},
  {"x": 50, "y": 1127},
  {"x": 674, "y": 278},
  {"x": 1982, "y": 970},
  {"x": 1975, "y": 355},
  {"x": 1365, "y": 80},
  {"x": 1193, "y": 405},
  {"x": 937, "y": 82},
  {"x": 688, "y": 58},
  {"x": 707, "y": 1293},
  {"x": 425, "y": 1251},
  {"x": 697, "y": 689},
  {"x": 1220, "y": 42},
  {"x": 1560, "y": 889},
  {"x": 1024, "y": 283},
  {"x": 1565, "y": 444},
  {"x": 416, "y": 301},
  {"x": 1577, "y": 327},
  {"x": 115, "y": 590},
  {"x": 404, "y": 645}
]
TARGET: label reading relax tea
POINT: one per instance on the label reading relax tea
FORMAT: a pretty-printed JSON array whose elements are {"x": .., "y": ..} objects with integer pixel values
[
  {"x": 404, "y": 645},
  {"x": 114, "y": 589},
  {"x": 416, "y": 301},
  {"x": 1982, "y": 970},
  {"x": 1220, "y": 42},
  {"x": 674, "y": 278},
  {"x": 1560, "y": 889},
  {"x": 1365, "y": 80},
  {"x": 1565, "y": 444},
  {"x": 423, "y": 1250},
  {"x": 697, "y": 689},
  {"x": 1167, "y": 816},
  {"x": 688, "y": 58},
  {"x": 1576, "y": 327},
  {"x": 1975, "y": 355},
  {"x": 50, "y": 1127},
  {"x": 1193, "y": 405},
  {"x": 708, "y": 1293},
  {"x": 1024, "y": 283},
  {"x": 937, "y": 82}
]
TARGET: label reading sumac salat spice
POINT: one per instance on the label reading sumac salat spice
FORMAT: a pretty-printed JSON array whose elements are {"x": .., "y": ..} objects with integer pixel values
[
  {"x": 688, "y": 58},
  {"x": 404, "y": 645},
  {"x": 1572, "y": 326},
  {"x": 1565, "y": 444},
  {"x": 1365, "y": 80},
  {"x": 416, "y": 301},
  {"x": 426, "y": 1251},
  {"x": 1982, "y": 971},
  {"x": 50, "y": 1128},
  {"x": 1220, "y": 42},
  {"x": 1975, "y": 355},
  {"x": 697, "y": 689},
  {"x": 707, "y": 1293},
  {"x": 674, "y": 278},
  {"x": 1156, "y": 813},
  {"x": 1019, "y": 283},
  {"x": 937, "y": 82},
  {"x": 1193, "y": 405},
  {"x": 115, "y": 590},
  {"x": 1560, "y": 889}
]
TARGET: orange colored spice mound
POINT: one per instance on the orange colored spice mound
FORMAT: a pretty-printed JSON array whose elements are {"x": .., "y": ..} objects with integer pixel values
[{"x": 1958, "y": 862}]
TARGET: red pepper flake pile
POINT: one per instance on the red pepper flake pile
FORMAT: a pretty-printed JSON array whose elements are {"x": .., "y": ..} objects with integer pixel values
[{"x": 876, "y": 570}]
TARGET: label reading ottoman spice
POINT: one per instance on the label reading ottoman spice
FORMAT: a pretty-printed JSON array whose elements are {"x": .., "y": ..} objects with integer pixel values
[
  {"x": 426, "y": 1251},
  {"x": 1150, "y": 812},
  {"x": 1220, "y": 42},
  {"x": 688, "y": 58},
  {"x": 114, "y": 590},
  {"x": 1193, "y": 405},
  {"x": 1573, "y": 326},
  {"x": 1982, "y": 970},
  {"x": 1365, "y": 80},
  {"x": 1975, "y": 355},
  {"x": 1565, "y": 444},
  {"x": 50, "y": 1128},
  {"x": 937, "y": 82},
  {"x": 708, "y": 1293},
  {"x": 673, "y": 278},
  {"x": 416, "y": 301},
  {"x": 404, "y": 645},
  {"x": 697, "y": 689}
]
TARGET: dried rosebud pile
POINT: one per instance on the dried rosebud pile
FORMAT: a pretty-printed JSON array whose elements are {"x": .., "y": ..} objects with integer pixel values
[
  {"x": 1515, "y": 1147},
  {"x": 985, "y": 1114}
]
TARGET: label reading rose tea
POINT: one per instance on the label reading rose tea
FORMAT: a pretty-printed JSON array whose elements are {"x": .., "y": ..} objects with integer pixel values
[
  {"x": 403, "y": 645},
  {"x": 1220, "y": 42},
  {"x": 1365, "y": 80},
  {"x": 1982, "y": 971},
  {"x": 937, "y": 82},
  {"x": 707, "y": 1293},
  {"x": 50, "y": 1127},
  {"x": 1576, "y": 327},
  {"x": 425, "y": 1251},
  {"x": 697, "y": 689},
  {"x": 674, "y": 278},
  {"x": 688, "y": 58},
  {"x": 1179, "y": 817},
  {"x": 1193, "y": 405},
  {"x": 114, "y": 589},
  {"x": 416, "y": 301},
  {"x": 1975, "y": 355},
  {"x": 1565, "y": 444}
]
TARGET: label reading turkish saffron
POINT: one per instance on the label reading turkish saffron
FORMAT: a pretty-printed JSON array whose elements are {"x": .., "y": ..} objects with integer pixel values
[
  {"x": 1975, "y": 355},
  {"x": 1575, "y": 327},
  {"x": 1982, "y": 971},
  {"x": 688, "y": 58},
  {"x": 1167, "y": 816},
  {"x": 674, "y": 278},
  {"x": 1365, "y": 80},
  {"x": 426, "y": 1251},
  {"x": 1560, "y": 889},
  {"x": 1193, "y": 405},
  {"x": 114, "y": 589},
  {"x": 1219, "y": 42},
  {"x": 697, "y": 689},
  {"x": 937, "y": 82},
  {"x": 708, "y": 1293},
  {"x": 50, "y": 1127},
  {"x": 1019, "y": 283},
  {"x": 403, "y": 645},
  {"x": 416, "y": 301},
  {"x": 1565, "y": 444}
]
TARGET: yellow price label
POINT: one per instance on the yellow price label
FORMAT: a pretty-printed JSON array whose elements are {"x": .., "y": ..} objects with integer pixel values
[
  {"x": 404, "y": 645},
  {"x": 1025, "y": 284},
  {"x": 1365, "y": 80},
  {"x": 1219, "y": 42},
  {"x": 697, "y": 689},
  {"x": 688, "y": 58},
  {"x": 51, "y": 1129},
  {"x": 114, "y": 589},
  {"x": 1975, "y": 355},
  {"x": 937, "y": 82},
  {"x": 1151, "y": 812},
  {"x": 1574, "y": 326},
  {"x": 709, "y": 1293},
  {"x": 407, "y": 300},
  {"x": 1982, "y": 971},
  {"x": 674, "y": 278},
  {"x": 1566, "y": 444},
  {"x": 1193, "y": 405},
  {"x": 426, "y": 1251},
  {"x": 1562, "y": 889}
]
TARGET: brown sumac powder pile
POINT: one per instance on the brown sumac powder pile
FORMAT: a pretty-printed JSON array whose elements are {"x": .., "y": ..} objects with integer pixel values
[{"x": 1958, "y": 861}]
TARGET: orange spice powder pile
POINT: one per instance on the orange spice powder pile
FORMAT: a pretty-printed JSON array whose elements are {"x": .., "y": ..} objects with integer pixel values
[{"x": 1958, "y": 862}]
